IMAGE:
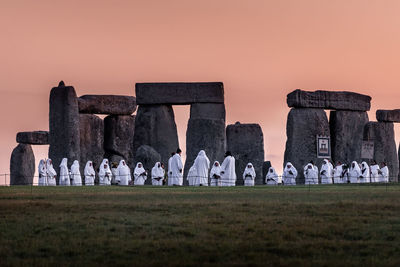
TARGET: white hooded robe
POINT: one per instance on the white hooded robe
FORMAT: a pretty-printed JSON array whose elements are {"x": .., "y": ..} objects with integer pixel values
[
  {"x": 289, "y": 174},
  {"x": 385, "y": 174},
  {"x": 326, "y": 172},
  {"x": 139, "y": 174},
  {"x": 375, "y": 170},
  {"x": 272, "y": 177},
  {"x": 228, "y": 173},
  {"x": 157, "y": 174},
  {"x": 338, "y": 175},
  {"x": 354, "y": 173},
  {"x": 123, "y": 174},
  {"x": 191, "y": 176},
  {"x": 202, "y": 165},
  {"x": 89, "y": 173},
  {"x": 42, "y": 173},
  {"x": 215, "y": 174},
  {"x": 249, "y": 175},
  {"x": 51, "y": 173},
  {"x": 76, "y": 174},
  {"x": 105, "y": 174},
  {"x": 64, "y": 173},
  {"x": 310, "y": 174},
  {"x": 365, "y": 174},
  {"x": 176, "y": 171}
]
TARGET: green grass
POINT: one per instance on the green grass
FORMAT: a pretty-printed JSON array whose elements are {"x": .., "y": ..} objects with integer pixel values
[{"x": 322, "y": 225}]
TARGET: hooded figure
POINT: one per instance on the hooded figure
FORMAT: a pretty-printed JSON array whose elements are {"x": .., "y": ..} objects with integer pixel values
[
  {"x": 310, "y": 174},
  {"x": 42, "y": 173},
  {"x": 140, "y": 174},
  {"x": 354, "y": 173},
  {"x": 170, "y": 166},
  {"x": 123, "y": 176},
  {"x": 338, "y": 174},
  {"x": 105, "y": 173},
  {"x": 249, "y": 175},
  {"x": 326, "y": 172},
  {"x": 90, "y": 174},
  {"x": 289, "y": 174},
  {"x": 272, "y": 177},
  {"x": 215, "y": 174},
  {"x": 76, "y": 174},
  {"x": 202, "y": 165},
  {"x": 114, "y": 172},
  {"x": 385, "y": 173},
  {"x": 176, "y": 170},
  {"x": 64, "y": 173},
  {"x": 228, "y": 173},
  {"x": 375, "y": 172},
  {"x": 157, "y": 174},
  {"x": 365, "y": 175},
  {"x": 51, "y": 173},
  {"x": 191, "y": 175}
]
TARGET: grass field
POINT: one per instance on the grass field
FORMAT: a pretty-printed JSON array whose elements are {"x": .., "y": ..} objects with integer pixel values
[{"x": 322, "y": 225}]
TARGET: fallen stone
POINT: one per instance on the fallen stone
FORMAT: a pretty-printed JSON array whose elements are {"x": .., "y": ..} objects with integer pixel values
[
  {"x": 329, "y": 100},
  {"x": 148, "y": 156},
  {"x": 179, "y": 93},
  {"x": 347, "y": 128},
  {"x": 388, "y": 115},
  {"x": 246, "y": 143},
  {"x": 303, "y": 126},
  {"x": 266, "y": 166},
  {"x": 382, "y": 134},
  {"x": 22, "y": 165},
  {"x": 64, "y": 134},
  {"x": 107, "y": 104},
  {"x": 33, "y": 138}
]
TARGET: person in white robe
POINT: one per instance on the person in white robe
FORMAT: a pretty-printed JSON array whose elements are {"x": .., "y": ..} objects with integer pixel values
[
  {"x": 202, "y": 166},
  {"x": 338, "y": 174},
  {"x": 191, "y": 176},
  {"x": 123, "y": 174},
  {"x": 384, "y": 173},
  {"x": 89, "y": 173},
  {"x": 42, "y": 173},
  {"x": 289, "y": 174},
  {"x": 157, "y": 174},
  {"x": 310, "y": 174},
  {"x": 365, "y": 173},
  {"x": 64, "y": 173},
  {"x": 51, "y": 173},
  {"x": 215, "y": 174},
  {"x": 228, "y": 172},
  {"x": 375, "y": 171},
  {"x": 354, "y": 173},
  {"x": 272, "y": 177},
  {"x": 326, "y": 172},
  {"x": 76, "y": 176},
  {"x": 169, "y": 174},
  {"x": 139, "y": 174},
  {"x": 176, "y": 169},
  {"x": 249, "y": 175},
  {"x": 105, "y": 174}
]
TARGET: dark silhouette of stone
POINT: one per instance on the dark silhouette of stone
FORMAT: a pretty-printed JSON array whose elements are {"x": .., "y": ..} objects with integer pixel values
[
  {"x": 148, "y": 156},
  {"x": 347, "y": 128},
  {"x": 303, "y": 126},
  {"x": 206, "y": 131},
  {"x": 33, "y": 138},
  {"x": 179, "y": 93},
  {"x": 22, "y": 165},
  {"x": 246, "y": 143},
  {"x": 382, "y": 133},
  {"x": 266, "y": 166},
  {"x": 388, "y": 115},
  {"x": 91, "y": 141},
  {"x": 155, "y": 126},
  {"x": 118, "y": 138},
  {"x": 64, "y": 135},
  {"x": 329, "y": 100},
  {"x": 107, "y": 104}
]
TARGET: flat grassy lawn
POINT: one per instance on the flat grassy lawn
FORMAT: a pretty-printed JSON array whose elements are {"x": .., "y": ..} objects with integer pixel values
[{"x": 321, "y": 225}]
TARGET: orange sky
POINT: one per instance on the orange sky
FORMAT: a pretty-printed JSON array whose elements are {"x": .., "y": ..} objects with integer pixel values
[{"x": 260, "y": 49}]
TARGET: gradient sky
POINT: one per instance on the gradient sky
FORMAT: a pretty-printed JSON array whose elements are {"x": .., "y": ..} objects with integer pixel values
[{"x": 261, "y": 50}]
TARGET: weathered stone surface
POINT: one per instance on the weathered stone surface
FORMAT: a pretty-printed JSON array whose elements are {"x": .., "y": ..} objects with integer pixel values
[
  {"x": 64, "y": 135},
  {"x": 33, "y": 138},
  {"x": 91, "y": 141},
  {"x": 266, "y": 166},
  {"x": 246, "y": 143},
  {"x": 347, "y": 128},
  {"x": 22, "y": 165},
  {"x": 303, "y": 126},
  {"x": 148, "y": 156},
  {"x": 388, "y": 115},
  {"x": 155, "y": 126},
  {"x": 205, "y": 131},
  {"x": 107, "y": 104},
  {"x": 382, "y": 133},
  {"x": 118, "y": 138},
  {"x": 329, "y": 100},
  {"x": 179, "y": 93}
]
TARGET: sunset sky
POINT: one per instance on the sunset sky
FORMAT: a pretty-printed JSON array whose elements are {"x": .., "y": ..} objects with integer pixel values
[{"x": 261, "y": 50}]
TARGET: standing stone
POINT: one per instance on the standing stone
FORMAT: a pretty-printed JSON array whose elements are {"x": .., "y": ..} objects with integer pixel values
[
  {"x": 206, "y": 131},
  {"x": 148, "y": 157},
  {"x": 347, "y": 128},
  {"x": 22, "y": 165},
  {"x": 91, "y": 141},
  {"x": 303, "y": 126},
  {"x": 246, "y": 143},
  {"x": 64, "y": 126},
  {"x": 155, "y": 126},
  {"x": 266, "y": 166},
  {"x": 382, "y": 133},
  {"x": 118, "y": 138}
]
